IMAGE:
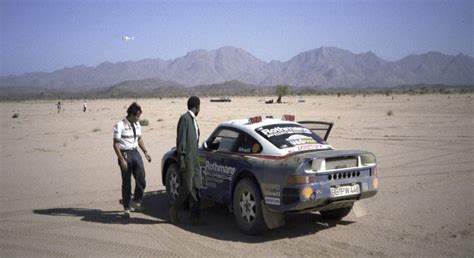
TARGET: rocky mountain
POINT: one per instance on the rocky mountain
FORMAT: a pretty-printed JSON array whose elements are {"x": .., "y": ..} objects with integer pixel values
[{"x": 325, "y": 67}]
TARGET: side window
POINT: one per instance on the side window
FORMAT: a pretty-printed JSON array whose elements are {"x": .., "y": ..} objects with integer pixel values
[
  {"x": 224, "y": 140},
  {"x": 247, "y": 144}
]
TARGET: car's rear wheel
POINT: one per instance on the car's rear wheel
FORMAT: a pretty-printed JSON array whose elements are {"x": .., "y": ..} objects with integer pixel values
[
  {"x": 336, "y": 214},
  {"x": 173, "y": 183},
  {"x": 247, "y": 207}
]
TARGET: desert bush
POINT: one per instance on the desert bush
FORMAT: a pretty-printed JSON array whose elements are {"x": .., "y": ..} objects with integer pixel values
[
  {"x": 390, "y": 113},
  {"x": 16, "y": 115},
  {"x": 95, "y": 130},
  {"x": 281, "y": 90},
  {"x": 144, "y": 122},
  {"x": 159, "y": 120}
]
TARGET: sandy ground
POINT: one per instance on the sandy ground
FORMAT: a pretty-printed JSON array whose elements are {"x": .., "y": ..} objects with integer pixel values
[{"x": 60, "y": 182}]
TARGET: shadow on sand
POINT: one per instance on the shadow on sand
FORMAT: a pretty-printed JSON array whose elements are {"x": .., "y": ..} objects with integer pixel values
[{"x": 216, "y": 222}]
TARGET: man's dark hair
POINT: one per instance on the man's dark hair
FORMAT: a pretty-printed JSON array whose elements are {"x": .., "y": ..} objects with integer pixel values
[
  {"x": 133, "y": 109},
  {"x": 193, "y": 102}
]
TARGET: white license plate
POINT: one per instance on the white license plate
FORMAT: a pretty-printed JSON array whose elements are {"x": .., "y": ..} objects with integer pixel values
[{"x": 345, "y": 190}]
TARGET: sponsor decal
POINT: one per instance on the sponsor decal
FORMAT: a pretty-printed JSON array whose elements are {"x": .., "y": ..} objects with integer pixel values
[
  {"x": 227, "y": 170},
  {"x": 271, "y": 190},
  {"x": 272, "y": 200},
  {"x": 245, "y": 150},
  {"x": 211, "y": 185},
  {"x": 311, "y": 147},
  {"x": 213, "y": 173},
  {"x": 299, "y": 139},
  {"x": 214, "y": 170},
  {"x": 277, "y": 131},
  {"x": 365, "y": 187}
]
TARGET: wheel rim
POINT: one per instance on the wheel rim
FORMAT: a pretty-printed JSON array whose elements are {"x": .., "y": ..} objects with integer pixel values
[
  {"x": 174, "y": 186},
  {"x": 248, "y": 207}
]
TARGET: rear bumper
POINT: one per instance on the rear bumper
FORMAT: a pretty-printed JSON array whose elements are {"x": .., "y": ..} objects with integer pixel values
[
  {"x": 326, "y": 203},
  {"x": 294, "y": 200}
]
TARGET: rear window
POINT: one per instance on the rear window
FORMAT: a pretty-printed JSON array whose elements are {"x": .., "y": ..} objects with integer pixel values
[{"x": 288, "y": 135}]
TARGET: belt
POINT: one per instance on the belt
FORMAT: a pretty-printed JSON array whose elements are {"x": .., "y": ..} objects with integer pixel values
[{"x": 132, "y": 149}]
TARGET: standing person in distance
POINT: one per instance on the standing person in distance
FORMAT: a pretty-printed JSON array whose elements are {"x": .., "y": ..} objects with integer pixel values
[
  {"x": 187, "y": 140},
  {"x": 127, "y": 137},
  {"x": 84, "y": 106}
]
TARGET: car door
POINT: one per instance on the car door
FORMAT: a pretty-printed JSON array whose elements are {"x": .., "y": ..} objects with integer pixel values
[{"x": 217, "y": 174}]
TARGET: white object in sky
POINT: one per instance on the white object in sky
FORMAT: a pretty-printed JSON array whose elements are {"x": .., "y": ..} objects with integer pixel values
[{"x": 127, "y": 38}]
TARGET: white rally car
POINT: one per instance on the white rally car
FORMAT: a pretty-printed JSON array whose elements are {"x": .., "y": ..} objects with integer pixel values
[{"x": 264, "y": 167}]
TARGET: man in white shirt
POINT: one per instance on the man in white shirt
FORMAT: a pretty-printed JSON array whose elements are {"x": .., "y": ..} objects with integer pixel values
[{"x": 127, "y": 137}]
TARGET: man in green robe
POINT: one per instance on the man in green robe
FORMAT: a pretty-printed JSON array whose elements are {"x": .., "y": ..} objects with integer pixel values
[{"x": 187, "y": 140}]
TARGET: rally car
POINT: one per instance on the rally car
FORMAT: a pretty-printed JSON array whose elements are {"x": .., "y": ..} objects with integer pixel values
[{"x": 264, "y": 167}]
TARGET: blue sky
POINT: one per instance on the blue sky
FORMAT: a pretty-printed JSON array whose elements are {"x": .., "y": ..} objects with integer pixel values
[{"x": 49, "y": 35}]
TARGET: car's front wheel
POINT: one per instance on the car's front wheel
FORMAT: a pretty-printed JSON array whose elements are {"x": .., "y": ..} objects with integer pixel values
[
  {"x": 336, "y": 214},
  {"x": 247, "y": 207},
  {"x": 173, "y": 183}
]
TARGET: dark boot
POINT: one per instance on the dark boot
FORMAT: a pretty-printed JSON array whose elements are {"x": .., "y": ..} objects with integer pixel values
[{"x": 195, "y": 214}]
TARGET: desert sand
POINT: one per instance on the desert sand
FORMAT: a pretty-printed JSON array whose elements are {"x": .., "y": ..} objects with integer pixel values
[{"x": 60, "y": 182}]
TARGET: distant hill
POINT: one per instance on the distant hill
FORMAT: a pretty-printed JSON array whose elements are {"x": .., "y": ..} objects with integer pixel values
[
  {"x": 156, "y": 88},
  {"x": 325, "y": 67}
]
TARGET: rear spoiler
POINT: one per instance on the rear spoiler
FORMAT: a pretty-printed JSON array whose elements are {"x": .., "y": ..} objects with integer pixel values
[{"x": 318, "y": 127}]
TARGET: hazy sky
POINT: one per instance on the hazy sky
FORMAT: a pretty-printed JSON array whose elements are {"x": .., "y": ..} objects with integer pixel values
[{"x": 46, "y": 35}]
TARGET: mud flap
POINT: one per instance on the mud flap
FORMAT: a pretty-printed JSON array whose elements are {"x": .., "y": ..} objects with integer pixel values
[
  {"x": 359, "y": 209},
  {"x": 272, "y": 219}
]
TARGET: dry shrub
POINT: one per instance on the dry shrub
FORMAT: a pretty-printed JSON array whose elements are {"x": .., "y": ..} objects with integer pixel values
[
  {"x": 390, "y": 113},
  {"x": 16, "y": 115},
  {"x": 95, "y": 130},
  {"x": 144, "y": 122}
]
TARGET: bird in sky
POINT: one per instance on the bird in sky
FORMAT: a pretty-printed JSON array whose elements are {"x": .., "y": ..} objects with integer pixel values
[{"x": 127, "y": 38}]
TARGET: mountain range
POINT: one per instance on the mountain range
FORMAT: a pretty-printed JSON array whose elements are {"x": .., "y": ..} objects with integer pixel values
[{"x": 324, "y": 67}]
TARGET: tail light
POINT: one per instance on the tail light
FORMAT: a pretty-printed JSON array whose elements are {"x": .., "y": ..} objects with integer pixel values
[
  {"x": 255, "y": 119},
  {"x": 288, "y": 117},
  {"x": 300, "y": 180}
]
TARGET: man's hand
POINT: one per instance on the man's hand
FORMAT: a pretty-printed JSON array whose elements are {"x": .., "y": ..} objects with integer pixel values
[
  {"x": 182, "y": 164},
  {"x": 123, "y": 165},
  {"x": 147, "y": 156}
]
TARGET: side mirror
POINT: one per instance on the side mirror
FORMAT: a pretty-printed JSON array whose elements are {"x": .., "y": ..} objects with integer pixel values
[{"x": 204, "y": 145}]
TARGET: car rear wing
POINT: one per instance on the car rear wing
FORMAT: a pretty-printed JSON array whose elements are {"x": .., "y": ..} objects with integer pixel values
[{"x": 323, "y": 129}]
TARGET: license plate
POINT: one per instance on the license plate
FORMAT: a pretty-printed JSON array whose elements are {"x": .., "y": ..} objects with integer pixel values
[{"x": 345, "y": 190}]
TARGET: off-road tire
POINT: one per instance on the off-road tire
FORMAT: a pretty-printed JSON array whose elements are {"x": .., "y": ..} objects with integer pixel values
[
  {"x": 173, "y": 183},
  {"x": 247, "y": 207}
]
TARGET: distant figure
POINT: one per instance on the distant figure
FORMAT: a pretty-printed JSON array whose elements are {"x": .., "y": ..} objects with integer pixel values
[
  {"x": 59, "y": 106},
  {"x": 84, "y": 105},
  {"x": 127, "y": 137},
  {"x": 187, "y": 140}
]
